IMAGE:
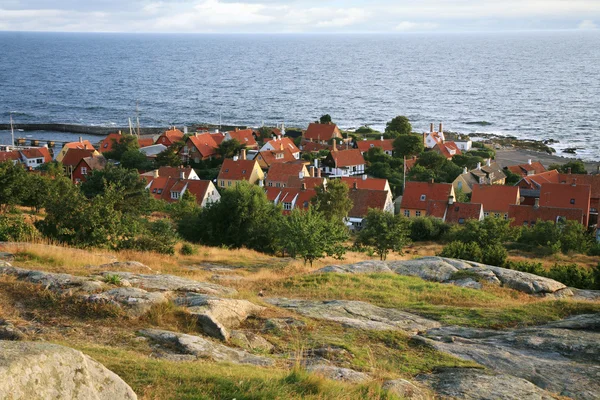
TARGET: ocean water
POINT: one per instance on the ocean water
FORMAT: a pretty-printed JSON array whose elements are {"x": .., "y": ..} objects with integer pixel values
[{"x": 531, "y": 85}]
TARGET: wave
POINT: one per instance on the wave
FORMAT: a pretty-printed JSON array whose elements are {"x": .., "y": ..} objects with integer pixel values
[{"x": 479, "y": 123}]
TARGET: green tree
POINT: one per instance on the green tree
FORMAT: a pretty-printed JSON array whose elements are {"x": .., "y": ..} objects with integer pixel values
[
  {"x": 325, "y": 119},
  {"x": 229, "y": 148},
  {"x": 576, "y": 167},
  {"x": 12, "y": 184},
  {"x": 52, "y": 169},
  {"x": 408, "y": 145},
  {"x": 37, "y": 189},
  {"x": 16, "y": 229},
  {"x": 308, "y": 234},
  {"x": 125, "y": 144},
  {"x": 467, "y": 160},
  {"x": 489, "y": 231},
  {"x": 427, "y": 228},
  {"x": 168, "y": 158},
  {"x": 134, "y": 159},
  {"x": 332, "y": 200},
  {"x": 400, "y": 125},
  {"x": 511, "y": 178},
  {"x": 384, "y": 232}
]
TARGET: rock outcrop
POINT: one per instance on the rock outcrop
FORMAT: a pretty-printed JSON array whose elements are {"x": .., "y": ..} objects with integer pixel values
[
  {"x": 36, "y": 370},
  {"x": 358, "y": 314},
  {"x": 338, "y": 373},
  {"x": 53, "y": 281},
  {"x": 443, "y": 270},
  {"x": 134, "y": 301},
  {"x": 407, "y": 390},
  {"x": 124, "y": 265},
  {"x": 204, "y": 348}
]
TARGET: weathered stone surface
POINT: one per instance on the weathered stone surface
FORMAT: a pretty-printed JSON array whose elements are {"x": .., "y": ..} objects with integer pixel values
[
  {"x": 9, "y": 332},
  {"x": 134, "y": 300},
  {"x": 475, "y": 384},
  {"x": 52, "y": 281},
  {"x": 124, "y": 265},
  {"x": 590, "y": 295},
  {"x": 358, "y": 314},
  {"x": 204, "y": 348},
  {"x": 563, "y": 361},
  {"x": 363, "y": 267},
  {"x": 585, "y": 322},
  {"x": 338, "y": 373},
  {"x": 283, "y": 324},
  {"x": 467, "y": 282},
  {"x": 251, "y": 341},
  {"x": 36, "y": 370},
  {"x": 161, "y": 282},
  {"x": 7, "y": 257},
  {"x": 526, "y": 282},
  {"x": 428, "y": 268},
  {"x": 407, "y": 390},
  {"x": 217, "y": 315}
]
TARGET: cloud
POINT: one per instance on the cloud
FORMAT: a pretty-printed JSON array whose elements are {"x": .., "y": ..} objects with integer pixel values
[
  {"x": 406, "y": 26},
  {"x": 587, "y": 24}
]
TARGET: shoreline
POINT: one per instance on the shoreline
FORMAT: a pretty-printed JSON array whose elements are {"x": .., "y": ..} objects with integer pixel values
[{"x": 521, "y": 156}]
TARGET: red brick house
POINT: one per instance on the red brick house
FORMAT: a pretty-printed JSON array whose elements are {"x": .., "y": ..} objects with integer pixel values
[
  {"x": 594, "y": 182},
  {"x": 570, "y": 196},
  {"x": 365, "y": 199},
  {"x": 85, "y": 167},
  {"x": 170, "y": 137},
  {"x": 280, "y": 173},
  {"x": 454, "y": 213},
  {"x": 198, "y": 147},
  {"x": 73, "y": 157},
  {"x": 418, "y": 194},
  {"x": 321, "y": 133},
  {"x": 531, "y": 168},
  {"x": 495, "y": 199},
  {"x": 529, "y": 215},
  {"x": 365, "y": 182}
]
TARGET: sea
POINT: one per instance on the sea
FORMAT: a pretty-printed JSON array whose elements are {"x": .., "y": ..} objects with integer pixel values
[{"x": 537, "y": 85}]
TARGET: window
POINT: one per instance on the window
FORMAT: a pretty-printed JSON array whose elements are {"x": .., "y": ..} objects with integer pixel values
[
  {"x": 222, "y": 183},
  {"x": 174, "y": 195},
  {"x": 561, "y": 220},
  {"x": 193, "y": 149},
  {"x": 497, "y": 215},
  {"x": 572, "y": 201},
  {"x": 506, "y": 216},
  {"x": 287, "y": 206},
  {"x": 525, "y": 223},
  {"x": 461, "y": 221},
  {"x": 417, "y": 213},
  {"x": 83, "y": 171},
  {"x": 227, "y": 170},
  {"x": 105, "y": 145},
  {"x": 279, "y": 156},
  {"x": 244, "y": 172},
  {"x": 372, "y": 145},
  {"x": 271, "y": 184},
  {"x": 39, "y": 161},
  {"x": 159, "y": 191},
  {"x": 486, "y": 214},
  {"x": 407, "y": 213},
  {"x": 154, "y": 190},
  {"x": 305, "y": 204},
  {"x": 460, "y": 185},
  {"x": 423, "y": 197},
  {"x": 228, "y": 183}
]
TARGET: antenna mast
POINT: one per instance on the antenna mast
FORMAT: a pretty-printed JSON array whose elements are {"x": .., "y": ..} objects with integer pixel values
[
  {"x": 12, "y": 131},
  {"x": 130, "y": 127},
  {"x": 137, "y": 112}
]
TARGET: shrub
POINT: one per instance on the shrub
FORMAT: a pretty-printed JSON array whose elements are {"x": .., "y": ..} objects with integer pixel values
[
  {"x": 15, "y": 229},
  {"x": 187, "y": 249},
  {"x": 594, "y": 250},
  {"x": 569, "y": 274},
  {"x": 464, "y": 251},
  {"x": 427, "y": 228},
  {"x": 113, "y": 279},
  {"x": 494, "y": 254},
  {"x": 567, "y": 237}
]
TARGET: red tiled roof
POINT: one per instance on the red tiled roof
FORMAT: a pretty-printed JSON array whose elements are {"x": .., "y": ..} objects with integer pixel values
[
  {"x": 145, "y": 142},
  {"x": 447, "y": 149},
  {"x": 535, "y": 181},
  {"x": 269, "y": 157},
  {"x": 245, "y": 137},
  {"x": 310, "y": 182},
  {"x": 303, "y": 197},
  {"x": 107, "y": 143},
  {"x": 347, "y": 158},
  {"x": 281, "y": 172},
  {"x": 205, "y": 144},
  {"x": 523, "y": 169},
  {"x": 437, "y": 208},
  {"x": 529, "y": 214},
  {"x": 84, "y": 144},
  {"x": 495, "y": 198},
  {"x": 314, "y": 147},
  {"x": 198, "y": 188},
  {"x": 368, "y": 183},
  {"x": 411, "y": 162},
  {"x": 285, "y": 141},
  {"x": 74, "y": 156},
  {"x": 174, "y": 135},
  {"x": 9, "y": 156},
  {"x": 417, "y": 194},
  {"x": 459, "y": 212},
  {"x": 385, "y": 144},
  {"x": 236, "y": 170},
  {"x": 580, "y": 179},
  {"x": 174, "y": 172},
  {"x": 364, "y": 199},
  {"x": 37, "y": 152},
  {"x": 566, "y": 196},
  {"x": 218, "y": 137},
  {"x": 94, "y": 162},
  {"x": 322, "y": 132},
  {"x": 158, "y": 185}
]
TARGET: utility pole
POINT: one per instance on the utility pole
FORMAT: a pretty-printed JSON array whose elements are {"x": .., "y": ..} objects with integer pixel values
[
  {"x": 12, "y": 131},
  {"x": 404, "y": 176}
]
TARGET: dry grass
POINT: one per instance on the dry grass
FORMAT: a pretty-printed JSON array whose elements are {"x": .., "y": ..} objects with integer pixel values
[{"x": 547, "y": 262}]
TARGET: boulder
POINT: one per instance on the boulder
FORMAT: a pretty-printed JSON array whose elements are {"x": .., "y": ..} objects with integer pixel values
[
  {"x": 363, "y": 267},
  {"x": 9, "y": 332},
  {"x": 428, "y": 268},
  {"x": 526, "y": 282},
  {"x": 251, "y": 341},
  {"x": 338, "y": 373},
  {"x": 358, "y": 314},
  {"x": 467, "y": 283},
  {"x": 217, "y": 315},
  {"x": 124, "y": 265},
  {"x": 164, "y": 283},
  {"x": 36, "y": 370},
  {"x": 50, "y": 280},
  {"x": 407, "y": 390},
  {"x": 204, "y": 348},
  {"x": 134, "y": 301},
  {"x": 283, "y": 324},
  {"x": 589, "y": 295},
  {"x": 476, "y": 384},
  {"x": 585, "y": 322}
]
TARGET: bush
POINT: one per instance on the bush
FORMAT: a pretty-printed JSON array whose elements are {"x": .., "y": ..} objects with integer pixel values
[
  {"x": 187, "y": 249},
  {"x": 594, "y": 250},
  {"x": 161, "y": 237},
  {"x": 567, "y": 237},
  {"x": 15, "y": 229},
  {"x": 464, "y": 251},
  {"x": 569, "y": 274},
  {"x": 495, "y": 255},
  {"x": 427, "y": 228}
]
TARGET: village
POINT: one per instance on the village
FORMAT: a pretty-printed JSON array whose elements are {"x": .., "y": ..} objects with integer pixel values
[{"x": 290, "y": 166}]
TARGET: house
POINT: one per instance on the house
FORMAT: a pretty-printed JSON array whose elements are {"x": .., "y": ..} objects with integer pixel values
[
  {"x": 489, "y": 174},
  {"x": 311, "y": 181},
  {"x": 81, "y": 144},
  {"x": 13, "y": 156},
  {"x": 416, "y": 196},
  {"x": 170, "y": 172},
  {"x": 344, "y": 162},
  {"x": 279, "y": 173},
  {"x": 86, "y": 165},
  {"x": 313, "y": 147},
  {"x": 170, "y": 137},
  {"x": 239, "y": 169},
  {"x": 365, "y": 182},
  {"x": 447, "y": 149},
  {"x": 409, "y": 163},
  {"x": 454, "y": 212},
  {"x": 244, "y": 136},
  {"x": 534, "y": 182},
  {"x": 387, "y": 145},
  {"x": 279, "y": 143},
  {"x": 72, "y": 158},
  {"x": 278, "y": 150},
  {"x": 365, "y": 199},
  {"x": 199, "y": 147},
  {"x": 432, "y": 138},
  {"x": 172, "y": 189},
  {"x": 522, "y": 215},
  {"x": 321, "y": 133},
  {"x": 108, "y": 142},
  {"x": 464, "y": 144},
  {"x": 560, "y": 195},
  {"x": 35, "y": 156},
  {"x": 496, "y": 199},
  {"x": 291, "y": 198},
  {"x": 531, "y": 168},
  {"x": 594, "y": 182}
]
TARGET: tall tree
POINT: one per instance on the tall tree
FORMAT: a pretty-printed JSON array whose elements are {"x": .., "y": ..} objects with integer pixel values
[
  {"x": 400, "y": 125},
  {"x": 332, "y": 200},
  {"x": 134, "y": 159},
  {"x": 229, "y": 148},
  {"x": 121, "y": 146},
  {"x": 325, "y": 119},
  {"x": 12, "y": 184},
  {"x": 576, "y": 167},
  {"x": 384, "y": 232},
  {"x": 168, "y": 158},
  {"x": 408, "y": 145}
]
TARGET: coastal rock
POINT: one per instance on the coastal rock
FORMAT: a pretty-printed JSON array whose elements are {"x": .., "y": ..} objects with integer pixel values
[
  {"x": 407, "y": 390},
  {"x": 338, "y": 373},
  {"x": 467, "y": 283},
  {"x": 124, "y": 265},
  {"x": 9, "y": 332},
  {"x": 283, "y": 324},
  {"x": 252, "y": 341},
  {"x": 589, "y": 295},
  {"x": 165, "y": 283},
  {"x": 36, "y": 370},
  {"x": 363, "y": 267},
  {"x": 135, "y": 301},
  {"x": 526, "y": 282},
  {"x": 217, "y": 315},
  {"x": 583, "y": 322},
  {"x": 50, "y": 280},
  {"x": 357, "y": 314},
  {"x": 476, "y": 384},
  {"x": 428, "y": 268},
  {"x": 204, "y": 348}
]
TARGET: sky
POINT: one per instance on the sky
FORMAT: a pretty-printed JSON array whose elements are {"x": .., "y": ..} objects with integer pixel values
[{"x": 297, "y": 16}]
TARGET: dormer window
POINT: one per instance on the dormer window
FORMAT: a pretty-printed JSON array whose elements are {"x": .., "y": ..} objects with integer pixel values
[
  {"x": 279, "y": 156},
  {"x": 174, "y": 195},
  {"x": 159, "y": 191},
  {"x": 243, "y": 171},
  {"x": 423, "y": 197},
  {"x": 572, "y": 201}
]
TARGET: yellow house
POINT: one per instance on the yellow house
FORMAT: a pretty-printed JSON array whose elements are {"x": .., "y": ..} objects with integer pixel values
[
  {"x": 236, "y": 170},
  {"x": 82, "y": 144}
]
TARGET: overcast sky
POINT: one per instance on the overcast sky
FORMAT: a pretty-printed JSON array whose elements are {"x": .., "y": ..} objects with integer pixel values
[{"x": 263, "y": 16}]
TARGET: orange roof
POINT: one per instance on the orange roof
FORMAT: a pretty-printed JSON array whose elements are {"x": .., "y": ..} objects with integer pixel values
[
  {"x": 527, "y": 169},
  {"x": 314, "y": 147},
  {"x": 9, "y": 156},
  {"x": 270, "y": 157},
  {"x": 495, "y": 198},
  {"x": 566, "y": 196},
  {"x": 161, "y": 188},
  {"x": 281, "y": 172},
  {"x": 347, "y": 158},
  {"x": 322, "y": 132},
  {"x": 37, "y": 152},
  {"x": 417, "y": 194},
  {"x": 365, "y": 183},
  {"x": 580, "y": 179},
  {"x": 457, "y": 213},
  {"x": 74, "y": 156},
  {"x": 244, "y": 136},
  {"x": 205, "y": 143},
  {"x": 107, "y": 143},
  {"x": 145, "y": 142},
  {"x": 447, "y": 149},
  {"x": 310, "y": 182},
  {"x": 174, "y": 134},
  {"x": 284, "y": 142},
  {"x": 236, "y": 170},
  {"x": 385, "y": 144},
  {"x": 437, "y": 208},
  {"x": 530, "y": 214},
  {"x": 83, "y": 144},
  {"x": 364, "y": 199},
  {"x": 535, "y": 181},
  {"x": 218, "y": 137},
  {"x": 158, "y": 186}
]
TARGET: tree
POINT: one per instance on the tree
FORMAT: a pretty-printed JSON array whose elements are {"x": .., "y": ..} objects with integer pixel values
[
  {"x": 134, "y": 159},
  {"x": 576, "y": 167},
  {"x": 308, "y": 234},
  {"x": 384, "y": 232},
  {"x": 333, "y": 200},
  {"x": 511, "y": 178},
  {"x": 325, "y": 119},
  {"x": 467, "y": 160},
  {"x": 408, "y": 145},
  {"x": 12, "y": 184},
  {"x": 489, "y": 231},
  {"x": 229, "y": 148},
  {"x": 167, "y": 158},
  {"x": 400, "y": 125},
  {"x": 120, "y": 147},
  {"x": 37, "y": 190}
]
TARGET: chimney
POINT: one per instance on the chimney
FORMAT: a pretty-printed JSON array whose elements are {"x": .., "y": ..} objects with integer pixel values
[
  {"x": 334, "y": 146},
  {"x": 196, "y": 134},
  {"x": 243, "y": 154},
  {"x": 569, "y": 171},
  {"x": 120, "y": 132},
  {"x": 478, "y": 165},
  {"x": 301, "y": 175},
  {"x": 80, "y": 139},
  {"x": 441, "y": 128},
  {"x": 303, "y": 186},
  {"x": 432, "y": 181},
  {"x": 235, "y": 158},
  {"x": 431, "y": 127},
  {"x": 529, "y": 161},
  {"x": 278, "y": 137},
  {"x": 450, "y": 200},
  {"x": 182, "y": 174},
  {"x": 261, "y": 183},
  {"x": 355, "y": 186},
  {"x": 465, "y": 170},
  {"x": 185, "y": 130},
  {"x": 281, "y": 146},
  {"x": 318, "y": 172},
  {"x": 382, "y": 138},
  {"x": 237, "y": 129},
  {"x": 489, "y": 162},
  {"x": 155, "y": 173},
  {"x": 311, "y": 171},
  {"x": 537, "y": 203},
  {"x": 316, "y": 162},
  {"x": 364, "y": 177}
]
